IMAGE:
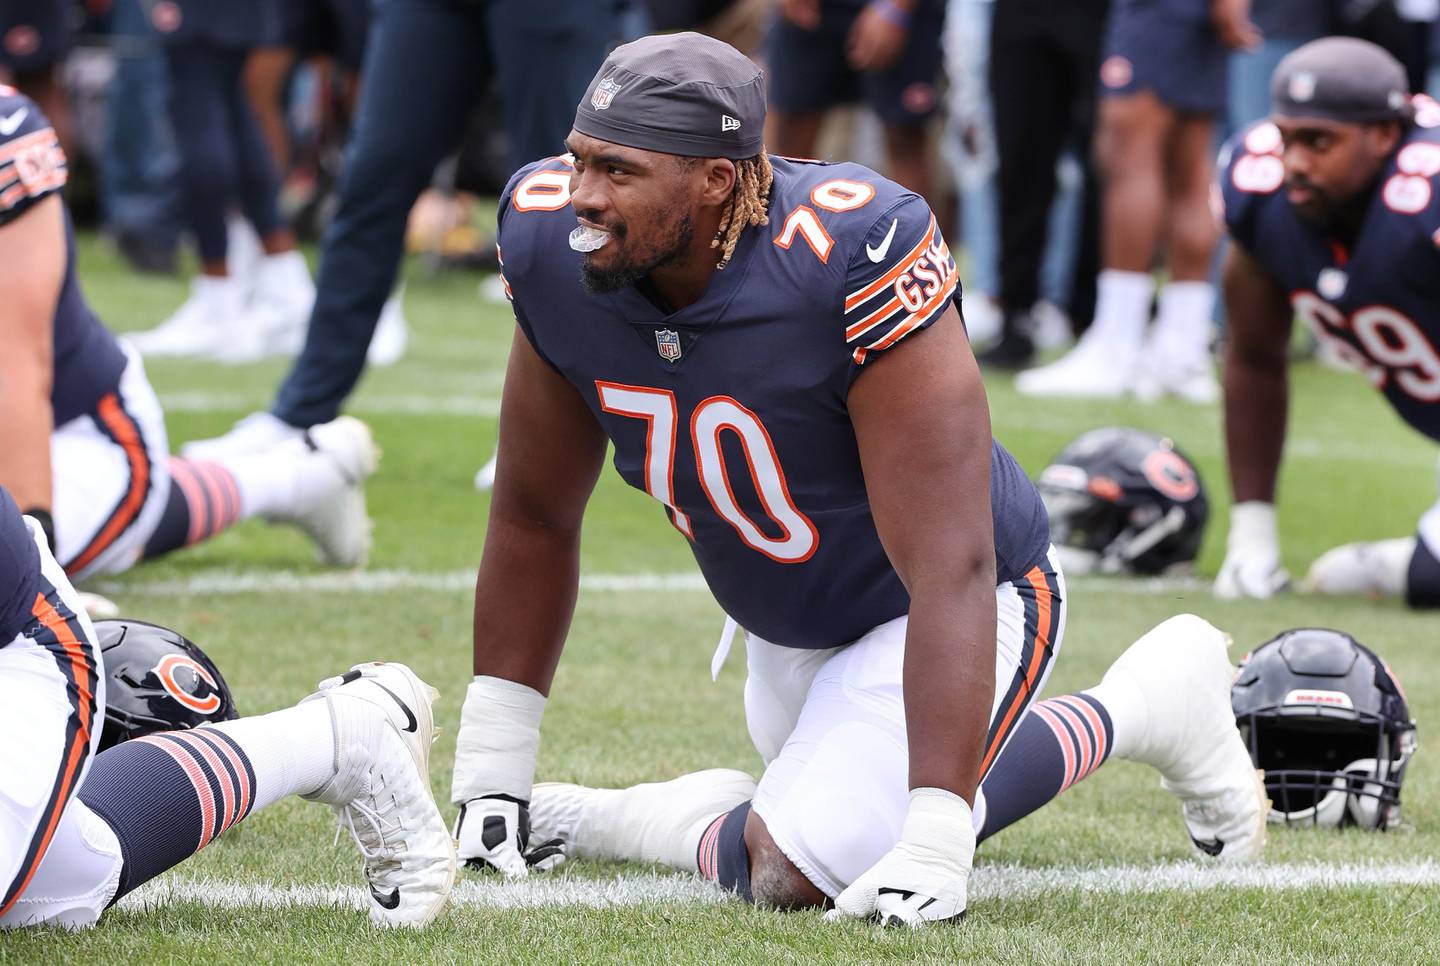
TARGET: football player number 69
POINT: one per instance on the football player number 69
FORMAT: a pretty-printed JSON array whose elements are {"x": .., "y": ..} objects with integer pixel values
[{"x": 798, "y": 536}]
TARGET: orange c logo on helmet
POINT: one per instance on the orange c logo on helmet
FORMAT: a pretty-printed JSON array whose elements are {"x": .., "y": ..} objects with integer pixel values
[
  {"x": 1168, "y": 472},
  {"x": 165, "y": 671}
]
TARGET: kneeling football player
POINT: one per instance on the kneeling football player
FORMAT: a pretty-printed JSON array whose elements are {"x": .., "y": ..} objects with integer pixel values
[
  {"x": 775, "y": 350},
  {"x": 83, "y": 446},
  {"x": 79, "y": 830}
]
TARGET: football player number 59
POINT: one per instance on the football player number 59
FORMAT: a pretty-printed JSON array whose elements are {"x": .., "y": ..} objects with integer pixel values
[{"x": 798, "y": 536}]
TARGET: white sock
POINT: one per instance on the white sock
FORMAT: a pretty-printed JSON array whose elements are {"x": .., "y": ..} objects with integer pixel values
[
  {"x": 278, "y": 482},
  {"x": 1128, "y": 712},
  {"x": 292, "y": 751},
  {"x": 1122, "y": 308},
  {"x": 1182, "y": 321}
]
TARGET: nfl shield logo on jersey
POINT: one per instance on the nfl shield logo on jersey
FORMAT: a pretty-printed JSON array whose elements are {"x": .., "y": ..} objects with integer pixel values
[
  {"x": 605, "y": 92},
  {"x": 667, "y": 343}
]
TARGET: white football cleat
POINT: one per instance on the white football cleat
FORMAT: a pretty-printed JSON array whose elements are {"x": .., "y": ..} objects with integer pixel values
[
  {"x": 254, "y": 433},
  {"x": 1185, "y": 374},
  {"x": 200, "y": 326},
  {"x": 381, "y": 790},
  {"x": 1181, "y": 671},
  {"x": 392, "y": 332},
  {"x": 1091, "y": 370},
  {"x": 336, "y": 458},
  {"x": 1052, "y": 326},
  {"x": 1377, "y": 569},
  {"x": 278, "y": 315},
  {"x": 655, "y": 822}
]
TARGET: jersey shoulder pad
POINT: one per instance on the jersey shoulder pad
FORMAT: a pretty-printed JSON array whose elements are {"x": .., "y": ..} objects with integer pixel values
[
  {"x": 32, "y": 165},
  {"x": 1251, "y": 173},
  {"x": 526, "y": 209},
  {"x": 899, "y": 279}
]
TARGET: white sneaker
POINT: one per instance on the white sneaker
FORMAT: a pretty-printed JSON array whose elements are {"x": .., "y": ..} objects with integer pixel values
[
  {"x": 200, "y": 326},
  {"x": 983, "y": 319},
  {"x": 392, "y": 332},
  {"x": 1378, "y": 569},
  {"x": 275, "y": 321},
  {"x": 656, "y": 822},
  {"x": 381, "y": 791},
  {"x": 1181, "y": 672},
  {"x": 1052, "y": 326},
  {"x": 1091, "y": 370},
  {"x": 1166, "y": 371},
  {"x": 485, "y": 475},
  {"x": 254, "y": 433},
  {"x": 338, "y": 457}
]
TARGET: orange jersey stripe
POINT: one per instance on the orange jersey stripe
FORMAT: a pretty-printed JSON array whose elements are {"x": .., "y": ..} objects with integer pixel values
[
  {"x": 919, "y": 316},
  {"x": 1040, "y": 647},
  {"x": 123, "y": 428},
  {"x": 900, "y": 268},
  {"x": 73, "y": 759}
]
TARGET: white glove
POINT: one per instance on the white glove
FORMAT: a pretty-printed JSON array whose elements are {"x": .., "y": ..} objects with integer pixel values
[
  {"x": 1252, "y": 554},
  {"x": 494, "y": 770},
  {"x": 494, "y": 832},
  {"x": 924, "y": 877}
]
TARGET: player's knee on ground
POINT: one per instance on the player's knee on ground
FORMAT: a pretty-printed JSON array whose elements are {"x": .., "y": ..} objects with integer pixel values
[
  {"x": 836, "y": 813},
  {"x": 77, "y": 878},
  {"x": 774, "y": 880}
]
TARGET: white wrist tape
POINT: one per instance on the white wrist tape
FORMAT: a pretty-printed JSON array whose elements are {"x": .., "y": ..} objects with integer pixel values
[
  {"x": 1252, "y": 525},
  {"x": 941, "y": 820},
  {"x": 499, "y": 735}
]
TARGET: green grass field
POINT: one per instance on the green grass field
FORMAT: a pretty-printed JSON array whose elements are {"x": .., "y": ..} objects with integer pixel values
[{"x": 1101, "y": 875}]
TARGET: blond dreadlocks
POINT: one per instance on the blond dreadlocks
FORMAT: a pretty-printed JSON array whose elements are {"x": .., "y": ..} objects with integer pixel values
[{"x": 748, "y": 205}]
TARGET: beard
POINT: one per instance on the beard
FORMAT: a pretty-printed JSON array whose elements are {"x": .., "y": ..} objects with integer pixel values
[{"x": 668, "y": 251}]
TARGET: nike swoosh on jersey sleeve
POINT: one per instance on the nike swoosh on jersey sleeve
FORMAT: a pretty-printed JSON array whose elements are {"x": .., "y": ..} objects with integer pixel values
[{"x": 904, "y": 292}]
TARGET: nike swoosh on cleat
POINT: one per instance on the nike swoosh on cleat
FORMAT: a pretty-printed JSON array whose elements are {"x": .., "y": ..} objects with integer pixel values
[
  {"x": 409, "y": 715},
  {"x": 878, "y": 254},
  {"x": 12, "y": 123},
  {"x": 1212, "y": 847},
  {"x": 388, "y": 902}
]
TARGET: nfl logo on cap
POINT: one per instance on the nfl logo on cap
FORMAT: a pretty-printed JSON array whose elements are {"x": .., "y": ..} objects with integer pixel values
[
  {"x": 605, "y": 92},
  {"x": 667, "y": 343}
]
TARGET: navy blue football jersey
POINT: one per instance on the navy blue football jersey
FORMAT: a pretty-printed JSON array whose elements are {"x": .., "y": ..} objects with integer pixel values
[
  {"x": 732, "y": 411},
  {"x": 88, "y": 360},
  {"x": 19, "y": 570},
  {"x": 1376, "y": 304}
]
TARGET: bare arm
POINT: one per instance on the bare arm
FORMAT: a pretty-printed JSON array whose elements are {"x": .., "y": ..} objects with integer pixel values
[
  {"x": 1256, "y": 383},
  {"x": 551, "y": 452},
  {"x": 923, "y": 428},
  {"x": 32, "y": 269}
]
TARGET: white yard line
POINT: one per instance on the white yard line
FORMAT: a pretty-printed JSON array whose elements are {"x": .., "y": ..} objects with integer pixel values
[
  {"x": 650, "y": 888},
  {"x": 228, "y": 582}
]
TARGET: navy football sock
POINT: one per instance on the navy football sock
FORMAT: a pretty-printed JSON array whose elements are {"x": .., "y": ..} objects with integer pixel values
[
  {"x": 1057, "y": 743},
  {"x": 722, "y": 855},
  {"x": 167, "y": 795},
  {"x": 1422, "y": 580},
  {"x": 204, "y": 500}
]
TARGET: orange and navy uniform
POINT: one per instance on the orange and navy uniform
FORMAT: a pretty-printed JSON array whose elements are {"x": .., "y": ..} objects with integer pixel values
[
  {"x": 732, "y": 411},
  {"x": 36, "y": 614},
  {"x": 1373, "y": 305},
  {"x": 88, "y": 361}
]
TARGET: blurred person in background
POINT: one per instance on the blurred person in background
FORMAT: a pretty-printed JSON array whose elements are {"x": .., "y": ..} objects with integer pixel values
[
  {"x": 421, "y": 77},
  {"x": 884, "y": 53},
  {"x": 35, "y": 36},
  {"x": 1043, "y": 60},
  {"x": 1163, "y": 83},
  {"x": 230, "y": 315}
]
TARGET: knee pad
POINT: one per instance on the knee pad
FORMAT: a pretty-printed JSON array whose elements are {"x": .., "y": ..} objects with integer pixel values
[
  {"x": 837, "y": 812},
  {"x": 78, "y": 877}
]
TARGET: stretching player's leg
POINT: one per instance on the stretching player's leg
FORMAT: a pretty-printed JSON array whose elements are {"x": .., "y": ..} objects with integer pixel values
[
  {"x": 360, "y": 744},
  {"x": 1165, "y": 703},
  {"x": 1406, "y": 567},
  {"x": 835, "y": 790}
]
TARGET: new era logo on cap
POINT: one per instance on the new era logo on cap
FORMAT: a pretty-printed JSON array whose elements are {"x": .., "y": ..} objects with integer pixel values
[{"x": 728, "y": 123}]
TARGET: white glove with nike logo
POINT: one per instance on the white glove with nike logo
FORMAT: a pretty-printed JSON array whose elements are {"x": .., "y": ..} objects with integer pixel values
[
  {"x": 924, "y": 877},
  {"x": 494, "y": 770}
]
